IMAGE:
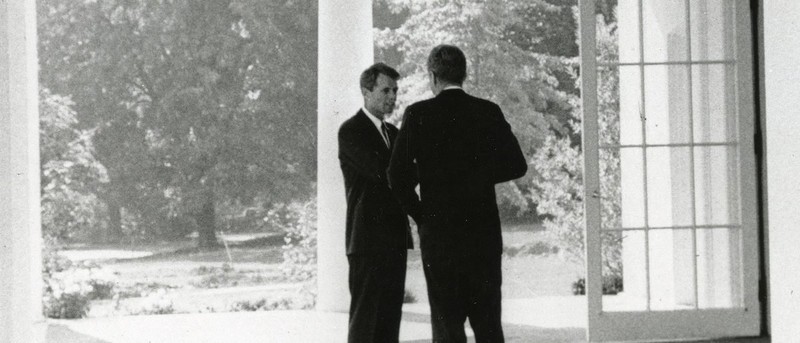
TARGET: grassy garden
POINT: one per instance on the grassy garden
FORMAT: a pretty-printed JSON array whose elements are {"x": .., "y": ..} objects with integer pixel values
[{"x": 250, "y": 275}]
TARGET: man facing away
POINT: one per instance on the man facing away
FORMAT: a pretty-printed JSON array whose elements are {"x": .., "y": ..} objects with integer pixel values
[
  {"x": 456, "y": 147},
  {"x": 377, "y": 230}
]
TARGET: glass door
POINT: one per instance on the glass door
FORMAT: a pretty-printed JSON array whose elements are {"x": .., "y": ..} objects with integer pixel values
[{"x": 669, "y": 170}]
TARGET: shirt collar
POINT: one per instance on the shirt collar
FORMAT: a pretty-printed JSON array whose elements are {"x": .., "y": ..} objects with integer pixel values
[
  {"x": 375, "y": 121},
  {"x": 452, "y": 87}
]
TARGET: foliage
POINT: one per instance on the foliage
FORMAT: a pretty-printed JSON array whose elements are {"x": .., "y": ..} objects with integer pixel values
[
  {"x": 409, "y": 297},
  {"x": 155, "y": 303},
  {"x": 284, "y": 302},
  {"x": 70, "y": 173},
  {"x": 226, "y": 276},
  {"x": 558, "y": 189},
  {"x": 195, "y": 104},
  {"x": 140, "y": 289},
  {"x": 612, "y": 284},
  {"x": 299, "y": 222},
  {"x": 539, "y": 248},
  {"x": 503, "y": 66},
  {"x": 70, "y": 287},
  {"x": 263, "y": 305}
]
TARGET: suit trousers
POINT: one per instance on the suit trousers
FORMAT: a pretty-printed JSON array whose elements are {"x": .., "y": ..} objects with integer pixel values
[
  {"x": 460, "y": 288},
  {"x": 377, "y": 288}
]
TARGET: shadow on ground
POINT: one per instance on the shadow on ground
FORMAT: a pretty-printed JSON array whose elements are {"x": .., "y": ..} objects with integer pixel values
[{"x": 517, "y": 333}]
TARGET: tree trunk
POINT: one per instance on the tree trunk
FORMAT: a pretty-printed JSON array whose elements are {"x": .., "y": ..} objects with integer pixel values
[
  {"x": 206, "y": 218},
  {"x": 114, "y": 232}
]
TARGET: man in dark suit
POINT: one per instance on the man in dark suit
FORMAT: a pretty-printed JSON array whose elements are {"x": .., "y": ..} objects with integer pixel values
[
  {"x": 456, "y": 147},
  {"x": 377, "y": 232}
]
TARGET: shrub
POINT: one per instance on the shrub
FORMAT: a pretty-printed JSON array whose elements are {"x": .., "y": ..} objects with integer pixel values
[
  {"x": 263, "y": 305},
  {"x": 225, "y": 276},
  {"x": 155, "y": 303},
  {"x": 558, "y": 188},
  {"x": 304, "y": 299},
  {"x": 68, "y": 293},
  {"x": 299, "y": 224},
  {"x": 140, "y": 289},
  {"x": 70, "y": 304},
  {"x": 409, "y": 297},
  {"x": 70, "y": 173},
  {"x": 611, "y": 285},
  {"x": 70, "y": 287},
  {"x": 538, "y": 248}
]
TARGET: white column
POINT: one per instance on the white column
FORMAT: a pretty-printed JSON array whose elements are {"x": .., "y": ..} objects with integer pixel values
[
  {"x": 21, "y": 317},
  {"x": 345, "y": 50},
  {"x": 781, "y": 49}
]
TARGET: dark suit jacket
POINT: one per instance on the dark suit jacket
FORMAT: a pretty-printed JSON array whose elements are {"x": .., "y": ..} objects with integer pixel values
[
  {"x": 457, "y": 147},
  {"x": 375, "y": 220}
]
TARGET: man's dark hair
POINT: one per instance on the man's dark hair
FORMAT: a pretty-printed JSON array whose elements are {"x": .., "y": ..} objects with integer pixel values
[
  {"x": 448, "y": 63},
  {"x": 370, "y": 76}
]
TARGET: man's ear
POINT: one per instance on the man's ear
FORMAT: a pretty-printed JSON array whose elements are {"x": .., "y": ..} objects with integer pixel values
[{"x": 364, "y": 91}]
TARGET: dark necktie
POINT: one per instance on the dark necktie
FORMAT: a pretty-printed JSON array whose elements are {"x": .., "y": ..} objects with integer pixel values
[{"x": 385, "y": 134}]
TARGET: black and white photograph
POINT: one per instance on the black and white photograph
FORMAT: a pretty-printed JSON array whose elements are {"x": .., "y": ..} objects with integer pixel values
[{"x": 399, "y": 171}]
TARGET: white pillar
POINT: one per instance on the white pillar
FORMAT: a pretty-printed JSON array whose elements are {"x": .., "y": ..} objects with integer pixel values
[
  {"x": 21, "y": 317},
  {"x": 781, "y": 49},
  {"x": 345, "y": 50}
]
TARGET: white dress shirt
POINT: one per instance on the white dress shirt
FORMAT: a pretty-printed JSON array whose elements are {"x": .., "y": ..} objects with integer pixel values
[{"x": 378, "y": 123}]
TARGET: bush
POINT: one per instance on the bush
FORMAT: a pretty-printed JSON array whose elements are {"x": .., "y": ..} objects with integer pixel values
[
  {"x": 70, "y": 173},
  {"x": 225, "y": 276},
  {"x": 304, "y": 299},
  {"x": 611, "y": 285},
  {"x": 70, "y": 287},
  {"x": 299, "y": 224},
  {"x": 155, "y": 303},
  {"x": 70, "y": 304},
  {"x": 68, "y": 293},
  {"x": 263, "y": 305},
  {"x": 140, "y": 289},
  {"x": 538, "y": 248},
  {"x": 409, "y": 297},
  {"x": 558, "y": 188}
]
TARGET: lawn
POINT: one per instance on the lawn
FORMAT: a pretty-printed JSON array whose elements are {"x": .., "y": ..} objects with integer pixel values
[
  {"x": 175, "y": 277},
  {"x": 526, "y": 273}
]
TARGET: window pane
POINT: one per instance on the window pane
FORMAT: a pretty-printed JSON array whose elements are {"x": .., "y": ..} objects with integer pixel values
[
  {"x": 716, "y": 185},
  {"x": 667, "y": 108},
  {"x": 671, "y": 269},
  {"x": 714, "y": 103},
  {"x": 624, "y": 256},
  {"x": 669, "y": 187},
  {"x": 665, "y": 30},
  {"x": 719, "y": 270},
  {"x": 619, "y": 101},
  {"x": 622, "y": 188},
  {"x": 712, "y": 29},
  {"x": 626, "y": 42}
]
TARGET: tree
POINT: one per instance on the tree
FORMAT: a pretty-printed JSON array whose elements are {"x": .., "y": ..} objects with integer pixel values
[
  {"x": 559, "y": 189},
  {"x": 199, "y": 104},
  {"x": 520, "y": 79},
  {"x": 70, "y": 173}
]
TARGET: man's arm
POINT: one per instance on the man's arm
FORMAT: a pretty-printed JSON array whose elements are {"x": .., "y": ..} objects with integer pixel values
[
  {"x": 402, "y": 172},
  {"x": 354, "y": 156},
  {"x": 509, "y": 162}
]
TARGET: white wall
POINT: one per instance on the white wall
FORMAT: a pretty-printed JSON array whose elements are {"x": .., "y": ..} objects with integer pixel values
[
  {"x": 782, "y": 112},
  {"x": 20, "y": 229}
]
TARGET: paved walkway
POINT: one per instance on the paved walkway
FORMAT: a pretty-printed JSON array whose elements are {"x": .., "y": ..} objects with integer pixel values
[{"x": 545, "y": 319}]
